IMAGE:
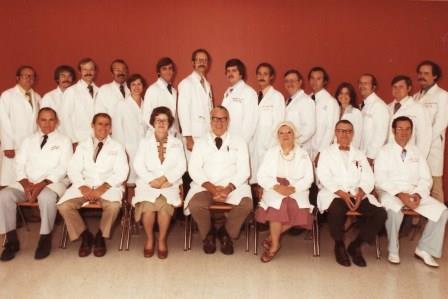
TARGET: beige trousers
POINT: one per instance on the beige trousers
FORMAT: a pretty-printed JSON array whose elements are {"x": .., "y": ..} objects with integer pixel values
[{"x": 437, "y": 188}]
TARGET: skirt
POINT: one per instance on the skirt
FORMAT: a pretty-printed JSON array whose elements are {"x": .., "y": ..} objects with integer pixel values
[
  {"x": 158, "y": 206},
  {"x": 289, "y": 214}
]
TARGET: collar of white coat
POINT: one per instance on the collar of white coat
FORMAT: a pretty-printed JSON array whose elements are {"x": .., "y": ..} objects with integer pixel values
[
  {"x": 267, "y": 89},
  {"x": 297, "y": 95},
  {"x": 198, "y": 77},
  {"x": 432, "y": 89},
  {"x": 84, "y": 84},
  {"x": 23, "y": 91},
  {"x": 321, "y": 94},
  {"x": 225, "y": 137},
  {"x": 349, "y": 109},
  {"x": 152, "y": 138},
  {"x": 398, "y": 147},
  {"x": 404, "y": 102},
  {"x": 51, "y": 134},
  {"x": 162, "y": 82},
  {"x": 95, "y": 141},
  {"x": 335, "y": 147},
  {"x": 58, "y": 90},
  {"x": 370, "y": 98},
  {"x": 117, "y": 85},
  {"x": 238, "y": 85}
]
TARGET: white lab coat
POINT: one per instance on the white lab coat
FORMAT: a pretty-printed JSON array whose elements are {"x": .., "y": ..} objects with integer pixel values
[
  {"x": 327, "y": 115},
  {"x": 242, "y": 101},
  {"x": 128, "y": 128},
  {"x": 148, "y": 167},
  {"x": 157, "y": 95},
  {"x": 354, "y": 116},
  {"x": 50, "y": 162},
  {"x": 301, "y": 111},
  {"x": 110, "y": 167},
  {"x": 53, "y": 99},
  {"x": 78, "y": 109},
  {"x": 422, "y": 132},
  {"x": 17, "y": 121},
  {"x": 299, "y": 174},
  {"x": 375, "y": 125},
  {"x": 436, "y": 102},
  {"x": 109, "y": 96},
  {"x": 393, "y": 176},
  {"x": 230, "y": 164},
  {"x": 271, "y": 111},
  {"x": 335, "y": 175}
]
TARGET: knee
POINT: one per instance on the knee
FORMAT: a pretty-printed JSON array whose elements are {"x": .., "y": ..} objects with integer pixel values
[
  {"x": 113, "y": 207},
  {"x": 63, "y": 208},
  {"x": 47, "y": 199},
  {"x": 246, "y": 204}
]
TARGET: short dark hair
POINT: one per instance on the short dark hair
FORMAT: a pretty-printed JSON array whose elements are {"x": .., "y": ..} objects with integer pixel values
[
  {"x": 404, "y": 78},
  {"x": 268, "y": 66},
  {"x": 343, "y": 121},
  {"x": 200, "y": 50},
  {"x": 373, "y": 79},
  {"x": 101, "y": 114},
  {"x": 351, "y": 92},
  {"x": 221, "y": 107},
  {"x": 135, "y": 77},
  {"x": 23, "y": 67},
  {"x": 64, "y": 68},
  {"x": 435, "y": 68},
  {"x": 402, "y": 118},
  {"x": 164, "y": 61},
  {"x": 118, "y": 60},
  {"x": 84, "y": 61},
  {"x": 322, "y": 70},
  {"x": 161, "y": 110},
  {"x": 239, "y": 64},
  {"x": 293, "y": 71},
  {"x": 47, "y": 109}
]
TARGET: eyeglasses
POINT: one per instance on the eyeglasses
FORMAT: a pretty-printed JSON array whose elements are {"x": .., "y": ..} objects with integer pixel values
[
  {"x": 342, "y": 131},
  {"x": 161, "y": 121},
  {"x": 219, "y": 119},
  {"x": 403, "y": 129}
]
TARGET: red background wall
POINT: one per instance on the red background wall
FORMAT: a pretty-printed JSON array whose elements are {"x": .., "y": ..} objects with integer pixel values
[{"x": 346, "y": 37}]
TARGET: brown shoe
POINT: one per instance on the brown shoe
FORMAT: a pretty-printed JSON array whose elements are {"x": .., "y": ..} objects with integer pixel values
[
  {"x": 268, "y": 256},
  {"x": 86, "y": 245},
  {"x": 162, "y": 254},
  {"x": 267, "y": 243},
  {"x": 100, "y": 245},
  {"x": 148, "y": 252},
  {"x": 209, "y": 243},
  {"x": 226, "y": 241}
]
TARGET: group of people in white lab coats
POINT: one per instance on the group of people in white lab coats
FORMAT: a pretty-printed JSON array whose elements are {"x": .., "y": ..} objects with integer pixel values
[{"x": 124, "y": 132}]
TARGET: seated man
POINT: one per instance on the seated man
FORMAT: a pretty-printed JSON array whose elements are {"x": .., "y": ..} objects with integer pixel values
[
  {"x": 41, "y": 164},
  {"x": 219, "y": 168},
  {"x": 404, "y": 182},
  {"x": 97, "y": 171},
  {"x": 347, "y": 181}
]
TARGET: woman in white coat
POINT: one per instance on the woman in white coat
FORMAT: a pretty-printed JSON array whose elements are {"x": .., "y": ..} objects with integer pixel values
[
  {"x": 129, "y": 126},
  {"x": 159, "y": 164},
  {"x": 285, "y": 175},
  {"x": 346, "y": 96}
]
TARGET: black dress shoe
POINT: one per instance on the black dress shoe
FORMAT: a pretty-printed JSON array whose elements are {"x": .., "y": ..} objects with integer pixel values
[
  {"x": 356, "y": 255},
  {"x": 10, "y": 250},
  {"x": 43, "y": 248},
  {"x": 100, "y": 245},
  {"x": 209, "y": 243},
  {"x": 341, "y": 256},
  {"x": 87, "y": 242},
  {"x": 226, "y": 241}
]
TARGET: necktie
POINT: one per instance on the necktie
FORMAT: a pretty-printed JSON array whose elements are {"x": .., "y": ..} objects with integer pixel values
[
  {"x": 203, "y": 84},
  {"x": 44, "y": 141},
  {"x": 288, "y": 101},
  {"x": 98, "y": 150},
  {"x": 313, "y": 96},
  {"x": 260, "y": 97},
  {"x": 169, "y": 86},
  {"x": 362, "y": 105},
  {"x": 90, "y": 88},
  {"x": 218, "y": 142},
  {"x": 397, "y": 107},
  {"x": 403, "y": 155},
  {"x": 122, "y": 90},
  {"x": 30, "y": 99}
]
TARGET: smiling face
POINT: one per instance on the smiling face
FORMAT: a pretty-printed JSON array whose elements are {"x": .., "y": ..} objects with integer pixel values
[
  {"x": 365, "y": 86},
  {"x": 119, "y": 72},
  {"x": 161, "y": 124},
  {"x": 400, "y": 90},
  {"x": 344, "y": 97},
  {"x": 102, "y": 127},
  {"x": 316, "y": 81},
  {"x": 136, "y": 88},
  {"x": 88, "y": 72},
  {"x": 425, "y": 76},
  {"x": 166, "y": 72},
  {"x": 292, "y": 83},
  {"x": 264, "y": 77},
  {"x": 344, "y": 134},
  {"x": 402, "y": 132},
  {"x": 285, "y": 137},
  {"x": 219, "y": 121},
  {"x": 200, "y": 63},
  {"x": 65, "y": 80},
  {"x": 233, "y": 75},
  {"x": 47, "y": 122},
  {"x": 26, "y": 78}
]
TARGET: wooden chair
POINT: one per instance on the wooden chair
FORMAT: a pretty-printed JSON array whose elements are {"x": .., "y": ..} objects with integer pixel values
[{"x": 417, "y": 227}]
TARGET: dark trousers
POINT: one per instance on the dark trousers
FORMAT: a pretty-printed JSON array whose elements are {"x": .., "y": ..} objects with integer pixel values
[{"x": 375, "y": 218}]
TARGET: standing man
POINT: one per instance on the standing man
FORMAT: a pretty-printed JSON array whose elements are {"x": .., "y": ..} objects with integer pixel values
[
  {"x": 78, "y": 105},
  {"x": 41, "y": 165},
  {"x": 116, "y": 91},
  {"x": 327, "y": 111},
  {"x": 271, "y": 111},
  {"x": 241, "y": 101},
  {"x": 300, "y": 109},
  {"x": 162, "y": 93},
  {"x": 404, "y": 105},
  {"x": 404, "y": 181},
  {"x": 64, "y": 75},
  {"x": 435, "y": 99},
  {"x": 195, "y": 100},
  {"x": 18, "y": 112},
  {"x": 375, "y": 118}
]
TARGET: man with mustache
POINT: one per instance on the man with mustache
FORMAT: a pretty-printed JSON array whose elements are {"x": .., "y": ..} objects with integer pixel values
[
  {"x": 195, "y": 100},
  {"x": 64, "y": 75},
  {"x": 78, "y": 105},
  {"x": 435, "y": 99},
  {"x": 111, "y": 93},
  {"x": 241, "y": 101},
  {"x": 271, "y": 111}
]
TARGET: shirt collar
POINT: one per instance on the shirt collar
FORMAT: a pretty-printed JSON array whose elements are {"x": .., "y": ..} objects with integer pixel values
[
  {"x": 84, "y": 83},
  {"x": 161, "y": 81},
  {"x": 198, "y": 77},
  {"x": 23, "y": 91},
  {"x": 370, "y": 98}
]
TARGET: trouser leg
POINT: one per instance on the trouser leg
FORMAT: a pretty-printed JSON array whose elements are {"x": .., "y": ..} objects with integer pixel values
[
  {"x": 237, "y": 216},
  {"x": 433, "y": 235},
  {"x": 47, "y": 205},
  {"x": 393, "y": 224},
  {"x": 437, "y": 188},
  {"x": 109, "y": 215},
  {"x": 374, "y": 221},
  {"x": 8, "y": 208},
  {"x": 336, "y": 217},
  {"x": 199, "y": 211},
  {"x": 73, "y": 220}
]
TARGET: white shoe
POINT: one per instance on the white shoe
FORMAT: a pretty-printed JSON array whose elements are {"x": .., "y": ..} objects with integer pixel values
[
  {"x": 394, "y": 258},
  {"x": 426, "y": 258}
]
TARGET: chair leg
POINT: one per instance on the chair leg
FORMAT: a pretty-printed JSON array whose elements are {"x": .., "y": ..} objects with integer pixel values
[
  {"x": 186, "y": 233},
  {"x": 190, "y": 231},
  {"x": 316, "y": 236},
  {"x": 378, "y": 249},
  {"x": 129, "y": 224},
  {"x": 255, "y": 237},
  {"x": 64, "y": 238},
  {"x": 22, "y": 216},
  {"x": 123, "y": 222},
  {"x": 247, "y": 229},
  {"x": 4, "y": 241}
]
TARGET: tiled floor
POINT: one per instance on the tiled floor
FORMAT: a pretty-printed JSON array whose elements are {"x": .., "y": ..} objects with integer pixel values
[{"x": 294, "y": 273}]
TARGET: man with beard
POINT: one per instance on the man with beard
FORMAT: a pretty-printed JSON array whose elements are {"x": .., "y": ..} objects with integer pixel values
[{"x": 64, "y": 75}]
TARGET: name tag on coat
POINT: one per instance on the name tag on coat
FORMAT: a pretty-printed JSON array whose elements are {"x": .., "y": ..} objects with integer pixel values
[
  {"x": 237, "y": 100},
  {"x": 54, "y": 147}
]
